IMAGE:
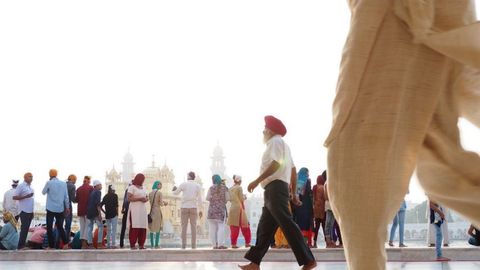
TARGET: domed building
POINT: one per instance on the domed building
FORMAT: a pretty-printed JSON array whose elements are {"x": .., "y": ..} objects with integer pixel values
[
  {"x": 171, "y": 212},
  {"x": 114, "y": 178}
]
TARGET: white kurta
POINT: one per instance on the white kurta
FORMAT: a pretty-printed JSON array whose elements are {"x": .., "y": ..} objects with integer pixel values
[{"x": 137, "y": 211}]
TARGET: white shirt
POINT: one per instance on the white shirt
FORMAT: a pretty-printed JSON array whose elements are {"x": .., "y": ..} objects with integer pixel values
[
  {"x": 192, "y": 195},
  {"x": 26, "y": 205},
  {"x": 9, "y": 204},
  {"x": 277, "y": 150}
]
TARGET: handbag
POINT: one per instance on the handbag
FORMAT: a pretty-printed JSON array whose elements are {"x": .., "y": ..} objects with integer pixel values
[{"x": 149, "y": 216}]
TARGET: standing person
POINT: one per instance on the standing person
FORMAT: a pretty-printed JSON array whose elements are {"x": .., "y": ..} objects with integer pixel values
[
  {"x": 94, "y": 214},
  {"x": 24, "y": 195},
  {"x": 137, "y": 212},
  {"x": 319, "y": 207},
  {"x": 9, "y": 203},
  {"x": 8, "y": 233},
  {"x": 110, "y": 201},
  {"x": 431, "y": 231},
  {"x": 57, "y": 207},
  {"x": 82, "y": 195},
  {"x": 437, "y": 217},
  {"x": 237, "y": 216},
  {"x": 277, "y": 172},
  {"x": 191, "y": 204},
  {"x": 124, "y": 211},
  {"x": 71, "y": 180},
  {"x": 329, "y": 220},
  {"x": 218, "y": 196},
  {"x": 156, "y": 202},
  {"x": 408, "y": 71},
  {"x": 303, "y": 214},
  {"x": 398, "y": 220}
]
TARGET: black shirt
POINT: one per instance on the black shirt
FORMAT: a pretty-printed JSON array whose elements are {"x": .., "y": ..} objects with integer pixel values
[{"x": 111, "y": 205}]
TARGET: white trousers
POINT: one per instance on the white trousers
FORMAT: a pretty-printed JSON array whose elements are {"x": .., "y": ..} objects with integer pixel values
[
  {"x": 216, "y": 232},
  {"x": 83, "y": 227}
]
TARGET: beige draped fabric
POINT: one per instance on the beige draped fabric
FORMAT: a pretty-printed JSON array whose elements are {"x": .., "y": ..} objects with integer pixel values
[
  {"x": 237, "y": 215},
  {"x": 409, "y": 69}
]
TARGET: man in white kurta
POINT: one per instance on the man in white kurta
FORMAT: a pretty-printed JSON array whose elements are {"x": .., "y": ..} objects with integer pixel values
[{"x": 409, "y": 70}]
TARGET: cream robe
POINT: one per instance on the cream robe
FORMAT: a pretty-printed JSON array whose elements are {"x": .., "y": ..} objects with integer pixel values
[
  {"x": 137, "y": 211},
  {"x": 409, "y": 69}
]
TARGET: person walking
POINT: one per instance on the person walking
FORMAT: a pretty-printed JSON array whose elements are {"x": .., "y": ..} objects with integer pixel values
[
  {"x": 190, "y": 208},
  {"x": 25, "y": 196},
  {"x": 277, "y": 173},
  {"x": 156, "y": 202},
  {"x": 57, "y": 207},
  {"x": 409, "y": 70},
  {"x": 137, "y": 212},
  {"x": 237, "y": 216}
]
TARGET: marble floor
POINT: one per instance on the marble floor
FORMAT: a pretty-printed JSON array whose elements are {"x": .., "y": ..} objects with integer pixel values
[{"x": 15, "y": 265}]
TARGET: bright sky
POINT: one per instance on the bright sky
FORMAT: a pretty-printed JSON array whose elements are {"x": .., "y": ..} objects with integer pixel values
[{"x": 81, "y": 81}]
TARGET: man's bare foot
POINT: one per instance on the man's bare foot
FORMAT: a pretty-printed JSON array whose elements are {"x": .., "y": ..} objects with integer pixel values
[
  {"x": 250, "y": 266},
  {"x": 310, "y": 265}
]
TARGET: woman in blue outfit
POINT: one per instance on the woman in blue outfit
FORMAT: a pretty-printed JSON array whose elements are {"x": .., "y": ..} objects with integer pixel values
[{"x": 303, "y": 214}]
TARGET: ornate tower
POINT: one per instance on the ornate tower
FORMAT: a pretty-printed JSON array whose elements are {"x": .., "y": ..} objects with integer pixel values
[
  {"x": 128, "y": 172},
  {"x": 218, "y": 165},
  {"x": 152, "y": 174}
]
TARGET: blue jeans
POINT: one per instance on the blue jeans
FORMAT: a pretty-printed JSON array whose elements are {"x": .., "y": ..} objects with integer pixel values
[
  {"x": 111, "y": 231},
  {"x": 330, "y": 221},
  {"x": 398, "y": 220},
  {"x": 68, "y": 224},
  {"x": 90, "y": 231},
  {"x": 438, "y": 240}
]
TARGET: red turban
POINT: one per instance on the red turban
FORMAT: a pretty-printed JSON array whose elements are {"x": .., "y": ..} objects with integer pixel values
[
  {"x": 138, "y": 180},
  {"x": 275, "y": 125}
]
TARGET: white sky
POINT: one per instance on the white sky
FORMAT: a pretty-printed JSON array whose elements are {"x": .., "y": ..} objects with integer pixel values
[{"x": 81, "y": 81}]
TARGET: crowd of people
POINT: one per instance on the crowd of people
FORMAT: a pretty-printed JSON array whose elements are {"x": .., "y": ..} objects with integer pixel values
[
  {"x": 311, "y": 214},
  {"x": 291, "y": 205}
]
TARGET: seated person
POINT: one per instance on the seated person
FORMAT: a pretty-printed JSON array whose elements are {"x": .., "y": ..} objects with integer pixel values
[
  {"x": 9, "y": 233},
  {"x": 475, "y": 236},
  {"x": 76, "y": 243},
  {"x": 38, "y": 235}
]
